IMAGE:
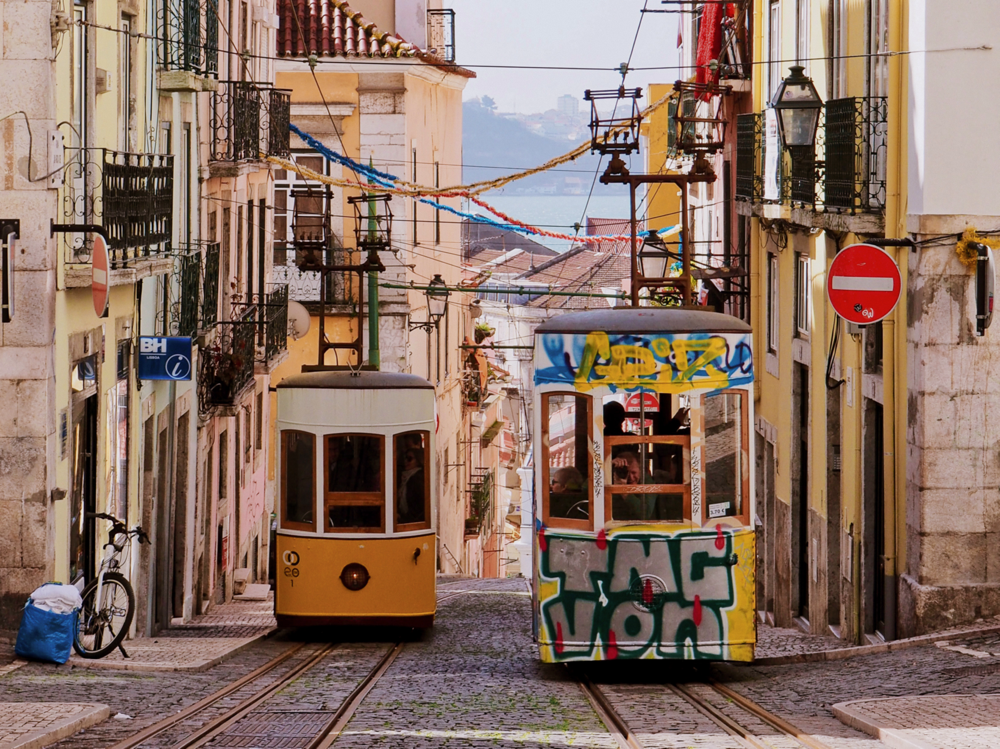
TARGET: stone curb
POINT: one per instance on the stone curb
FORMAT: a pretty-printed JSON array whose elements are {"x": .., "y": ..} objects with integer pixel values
[
  {"x": 885, "y": 647},
  {"x": 202, "y": 665},
  {"x": 67, "y": 727},
  {"x": 892, "y": 737}
]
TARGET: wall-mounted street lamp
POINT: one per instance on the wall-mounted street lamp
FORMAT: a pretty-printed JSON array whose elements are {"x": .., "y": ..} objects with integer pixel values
[
  {"x": 437, "y": 303},
  {"x": 797, "y": 104},
  {"x": 655, "y": 258}
]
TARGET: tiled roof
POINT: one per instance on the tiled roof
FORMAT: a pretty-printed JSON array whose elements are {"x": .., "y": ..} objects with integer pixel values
[
  {"x": 478, "y": 237},
  {"x": 331, "y": 28},
  {"x": 613, "y": 226},
  {"x": 584, "y": 270}
]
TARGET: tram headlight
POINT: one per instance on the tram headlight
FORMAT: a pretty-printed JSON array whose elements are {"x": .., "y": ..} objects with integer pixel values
[{"x": 354, "y": 576}]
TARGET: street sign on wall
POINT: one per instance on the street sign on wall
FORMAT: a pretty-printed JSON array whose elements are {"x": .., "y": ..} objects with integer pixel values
[
  {"x": 99, "y": 280},
  {"x": 164, "y": 358},
  {"x": 863, "y": 284}
]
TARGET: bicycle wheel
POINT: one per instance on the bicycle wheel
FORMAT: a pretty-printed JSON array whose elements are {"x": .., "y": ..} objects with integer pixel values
[{"x": 100, "y": 630}]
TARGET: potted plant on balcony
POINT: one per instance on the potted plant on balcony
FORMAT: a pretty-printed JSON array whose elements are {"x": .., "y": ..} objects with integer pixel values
[
  {"x": 472, "y": 526},
  {"x": 227, "y": 368},
  {"x": 483, "y": 331}
]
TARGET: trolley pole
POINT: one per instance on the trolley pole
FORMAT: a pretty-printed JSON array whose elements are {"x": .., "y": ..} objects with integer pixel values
[{"x": 374, "y": 357}]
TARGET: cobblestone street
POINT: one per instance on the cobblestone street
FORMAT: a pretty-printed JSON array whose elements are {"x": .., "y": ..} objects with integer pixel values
[{"x": 475, "y": 681}]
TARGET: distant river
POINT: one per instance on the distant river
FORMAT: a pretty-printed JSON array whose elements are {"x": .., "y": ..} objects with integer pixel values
[{"x": 557, "y": 213}]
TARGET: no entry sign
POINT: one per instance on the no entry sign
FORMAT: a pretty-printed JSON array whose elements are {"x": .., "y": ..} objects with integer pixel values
[
  {"x": 99, "y": 275},
  {"x": 863, "y": 284}
]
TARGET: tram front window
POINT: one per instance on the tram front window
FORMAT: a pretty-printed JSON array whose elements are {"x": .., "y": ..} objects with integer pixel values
[
  {"x": 298, "y": 479},
  {"x": 355, "y": 495},
  {"x": 412, "y": 497},
  {"x": 647, "y": 459},
  {"x": 567, "y": 496},
  {"x": 726, "y": 454}
]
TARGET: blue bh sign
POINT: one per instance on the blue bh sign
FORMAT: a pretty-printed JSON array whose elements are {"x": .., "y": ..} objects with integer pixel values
[{"x": 164, "y": 358}]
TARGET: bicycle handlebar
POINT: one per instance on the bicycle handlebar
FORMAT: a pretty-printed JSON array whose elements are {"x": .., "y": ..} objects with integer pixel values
[{"x": 118, "y": 524}]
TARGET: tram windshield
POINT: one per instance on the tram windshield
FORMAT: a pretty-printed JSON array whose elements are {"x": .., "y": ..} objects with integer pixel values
[
  {"x": 410, "y": 451},
  {"x": 568, "y": 490},
  {"x": 298, "y": 479},
  {"x": 726, "y": 455},
  {"x": 647, "y": 448},
  {"x": 355, "y": 492}
]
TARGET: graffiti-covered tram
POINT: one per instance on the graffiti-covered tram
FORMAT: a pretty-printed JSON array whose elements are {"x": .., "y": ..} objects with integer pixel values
[
  {"x": 644, "y": 538},
  {"x": 356, "y": 512}
]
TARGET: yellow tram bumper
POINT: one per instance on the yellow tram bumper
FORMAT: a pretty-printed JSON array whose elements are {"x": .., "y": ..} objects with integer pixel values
[{"x": 398, "y": 579}]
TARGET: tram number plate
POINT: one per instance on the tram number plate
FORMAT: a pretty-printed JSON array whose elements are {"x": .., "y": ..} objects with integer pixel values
[{"x": 718, "y": 510}]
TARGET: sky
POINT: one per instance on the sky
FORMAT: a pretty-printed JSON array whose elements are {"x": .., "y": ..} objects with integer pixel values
[{"x": 577, "y": 33}]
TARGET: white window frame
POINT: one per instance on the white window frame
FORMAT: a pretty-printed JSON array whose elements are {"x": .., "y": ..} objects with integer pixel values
[
  {"x": 774, "y": 300},
  {"x": 802, "y": 17},
  {"x": 774, "y": 50},
  {"x": 802, "y": 295}
]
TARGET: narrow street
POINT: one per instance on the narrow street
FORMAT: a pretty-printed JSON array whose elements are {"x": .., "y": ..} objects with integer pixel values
[{"x": 475, "y": 681}]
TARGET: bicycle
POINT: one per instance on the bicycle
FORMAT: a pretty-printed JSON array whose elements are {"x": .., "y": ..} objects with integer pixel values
[{"x": 108, "y": 600}]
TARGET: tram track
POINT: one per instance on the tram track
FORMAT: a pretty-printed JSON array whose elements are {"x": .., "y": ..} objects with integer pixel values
[
  {"x": 618, "y": 727},
  {"x": 231, "y": 717}
]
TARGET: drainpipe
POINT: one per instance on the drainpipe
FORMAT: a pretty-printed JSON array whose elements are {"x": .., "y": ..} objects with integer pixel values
[
  {"x": 374, "y": 358},
  {"x": 889, "y": 469}
]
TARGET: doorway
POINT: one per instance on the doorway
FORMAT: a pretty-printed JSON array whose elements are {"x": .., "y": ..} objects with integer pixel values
[
  {"x": 82, "y": 536},
  {"x": 800, "y": 491},
  {"x": 874, "y": 518}
]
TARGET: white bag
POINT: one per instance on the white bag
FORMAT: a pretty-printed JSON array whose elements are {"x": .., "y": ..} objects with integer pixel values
[{"x": 57, "y": 598}]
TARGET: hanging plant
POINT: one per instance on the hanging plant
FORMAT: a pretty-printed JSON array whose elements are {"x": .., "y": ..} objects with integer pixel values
[
  {"x": 968, "y": 255},
  {"x": 483, "y": 331}
]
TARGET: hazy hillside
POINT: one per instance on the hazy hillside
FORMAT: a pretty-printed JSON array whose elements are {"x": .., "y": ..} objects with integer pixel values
[{"x": 489, "y": 140}]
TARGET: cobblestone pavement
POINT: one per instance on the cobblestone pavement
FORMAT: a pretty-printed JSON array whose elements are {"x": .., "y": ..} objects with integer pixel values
[
  {"x": 954, "y": 722},
  {"x": 774, "y": 642},
  {"x": 25, "y": 724},
  {"x": 475, "y": 681}
]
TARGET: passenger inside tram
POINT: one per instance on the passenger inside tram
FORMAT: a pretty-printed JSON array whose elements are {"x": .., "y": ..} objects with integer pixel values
[
  {"x": 568, "y": 449},
  {"x": 411, "y": 479}
]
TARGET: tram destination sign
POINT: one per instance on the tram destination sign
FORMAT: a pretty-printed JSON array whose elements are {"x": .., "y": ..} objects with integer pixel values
[
  {"x": 863, "y": 284},
  {"x": 163, "y": 358}
]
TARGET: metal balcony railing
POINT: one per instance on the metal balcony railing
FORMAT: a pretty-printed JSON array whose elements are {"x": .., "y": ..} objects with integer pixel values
[
  {"x": 210, "y": 287},
  {"x": 226, "y": 367},
  {"x": 190, "y": 288},
  {"x": 856, "y": 133},
  {"x": 305, "y": 286},
  {"x": 749, "y": 179},
  {"x": 129, "y": 194},
  {"x": 188, "y": 36},
  {"x": 275, "y": 323},
  {"x": 248, "y": 119},
  {"x": 441, "y": 33}
]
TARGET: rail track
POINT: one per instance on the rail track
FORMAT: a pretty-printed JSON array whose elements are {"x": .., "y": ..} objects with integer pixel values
[
  {"x": 322, "y": 730},
  {"x": 627, "y": 739}
]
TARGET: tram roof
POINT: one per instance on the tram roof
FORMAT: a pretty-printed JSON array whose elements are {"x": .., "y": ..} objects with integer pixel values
[
  {"x": 644, "y": 320},
  {"x": 362, "y": 380}
]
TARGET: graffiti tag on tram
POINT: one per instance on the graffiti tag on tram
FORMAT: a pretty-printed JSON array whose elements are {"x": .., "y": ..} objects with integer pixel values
[
  {"x": 640, "y": 595},
  {"x": 656, "y": 362}
]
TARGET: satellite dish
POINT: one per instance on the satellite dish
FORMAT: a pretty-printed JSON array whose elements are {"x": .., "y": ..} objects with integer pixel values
[{"x": 298, "y": 320}]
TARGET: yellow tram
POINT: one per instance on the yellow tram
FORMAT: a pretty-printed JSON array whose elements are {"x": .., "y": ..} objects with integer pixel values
[
  {"x": 356, "y": 534},
  {"x": 644, "y": 536}
]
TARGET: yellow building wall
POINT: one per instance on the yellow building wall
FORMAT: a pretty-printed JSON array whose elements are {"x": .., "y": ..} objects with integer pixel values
[
  {"x": 664, "y": 201},
  {"x": 775, "y": 403}
]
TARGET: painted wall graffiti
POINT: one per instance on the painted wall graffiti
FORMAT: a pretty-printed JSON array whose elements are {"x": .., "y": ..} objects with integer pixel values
[
  {"x": 657, "y": 362},
  {"x": 653, "y": 594}
]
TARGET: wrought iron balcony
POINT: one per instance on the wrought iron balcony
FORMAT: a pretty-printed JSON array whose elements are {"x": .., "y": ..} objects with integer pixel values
[
  {"x": 844, "y": 172},
  {"x": 226, "y": 367},
  {"x": 129, "y": 194},
  {"x": 275, "y": 322},
  {"x": 248, "y": 119},
  {"x": 210, "y": 287},
  {"x": 749, "y": 169},
  {"x": 306, "y": 286},
  {"x": 188, "y": 36},
  {"x": 441, "y": 33},
  {"x": 856, "y": 134},
  {"x": 190, "y": 286}
]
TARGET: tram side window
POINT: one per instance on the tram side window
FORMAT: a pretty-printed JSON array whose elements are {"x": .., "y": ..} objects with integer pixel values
[
  {"x": 355, "y": 495},
  {"x": 647, "y": 447},
  {"x": 298, "y": 475},
  {"x": 568, "y": 489},
  {"x": 726, "y": 455},
  {"x": 413, "y": 482}
]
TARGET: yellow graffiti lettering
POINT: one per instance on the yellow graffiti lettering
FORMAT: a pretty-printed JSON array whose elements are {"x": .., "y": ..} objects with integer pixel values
[
  {"x": 597, "y": 345},
  {"x": 628, "y": 363},
  {"x": 710, "y": 349}
]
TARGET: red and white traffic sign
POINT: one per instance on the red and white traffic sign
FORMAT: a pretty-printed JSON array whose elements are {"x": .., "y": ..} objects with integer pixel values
[
  {"x": 99, "y": 275},
  {"x": 863, "y": 284},
  {"x": 648, "y": 400}
]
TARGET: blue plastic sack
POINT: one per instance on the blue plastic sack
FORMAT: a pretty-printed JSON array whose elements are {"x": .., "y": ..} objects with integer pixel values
[{"x": 45, "y": 635}]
